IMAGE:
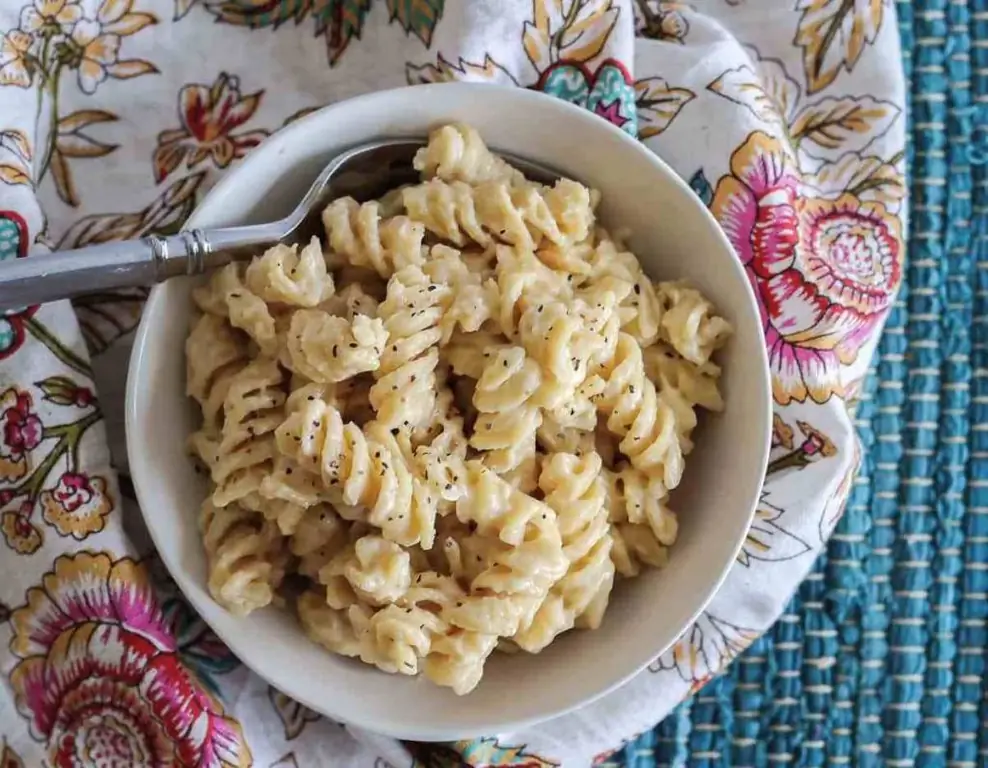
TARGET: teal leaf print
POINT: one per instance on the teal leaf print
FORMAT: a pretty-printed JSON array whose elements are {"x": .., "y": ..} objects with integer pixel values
[
  {"x": 417, "y": 17},
  {"x": 699, "y": 184},
  {"x": 339, "y": 21}
]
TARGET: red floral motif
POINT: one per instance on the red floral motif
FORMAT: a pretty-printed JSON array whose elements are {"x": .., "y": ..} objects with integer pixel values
[
  {"x": 21, "y": 432},
  {"x": 825, "y": 272},
  {"x": 100, "y": 679},
  {"x": 209, "y": 117},
  {"x": 78, "y": 505},
  {"x": 19, "y": 532},
  {"x": 73, "y": 491}
]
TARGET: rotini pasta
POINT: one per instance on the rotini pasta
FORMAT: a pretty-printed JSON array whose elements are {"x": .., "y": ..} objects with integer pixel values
[
  {"x": 283, "y": 275},
  {"x": 638, "y": 414},
  {"x": 245, "y": 450},
  {"x": 327, "y": 348},
  {"x": 214, "y": 351},
  {"x": 688, "y": 323},
  {"x": 368, "y": 470},
  {"x": 521, "y": 216},
  {"x": 574, "y": 490},
  {"x": 508, "y": 417},
  {"x": 225, "y": 295},
  {"x": 405, "y": 391},
  {"x": 358, "y": 236},
  {"x": 245, "y": 556},
  {"x": 457, "y": 153},
  {"x": 455, "y": 424}
]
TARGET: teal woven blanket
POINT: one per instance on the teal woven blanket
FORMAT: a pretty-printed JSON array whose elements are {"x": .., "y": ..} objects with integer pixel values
[{"x": 880, "y": 657}]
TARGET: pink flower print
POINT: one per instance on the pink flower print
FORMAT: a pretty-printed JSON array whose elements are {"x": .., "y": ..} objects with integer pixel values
[
  {"x": 99, "y": 678},
  {"x": 21, "y": 431},
  {"x": 824, "y": 272}
]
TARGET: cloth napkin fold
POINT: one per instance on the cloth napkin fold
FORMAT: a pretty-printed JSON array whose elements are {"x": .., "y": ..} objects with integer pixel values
[{"x": 116, "y": 116}]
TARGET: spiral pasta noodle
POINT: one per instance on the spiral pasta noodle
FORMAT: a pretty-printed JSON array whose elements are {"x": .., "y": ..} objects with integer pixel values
[
  {"x": 358, "y": 235},
  {"x": 405, "y": 387},
  {"x": 523, "y": 555},
  {"x": 508, "y": 416},
  {"x": 245, "y": 557},
  {"x": 245, "y": 450},
  {"x": 688, "y": 323},
  {"x": 575, "y": 491},
  {"x": 641, "y": 309},
  {"x": 225, "y": 295},
  {"x": 640, "y": 416},
  {"x": 284, "y": 275},
  {"x": 214, "y": 351},
  {"x": 327, "y": 348},
  {"x": 379, "y": 571},
  {"x": 368, "y": 471},
  {"x": 518, "y": 215},
  {"x": 456, "y": 152}
]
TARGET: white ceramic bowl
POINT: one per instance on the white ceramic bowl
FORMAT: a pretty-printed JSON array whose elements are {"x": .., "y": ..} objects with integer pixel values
[{"x": 673, "y": 235}]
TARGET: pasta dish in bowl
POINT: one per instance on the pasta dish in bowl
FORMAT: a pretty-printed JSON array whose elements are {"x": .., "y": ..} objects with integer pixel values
[{"x": 451, "y": 427}]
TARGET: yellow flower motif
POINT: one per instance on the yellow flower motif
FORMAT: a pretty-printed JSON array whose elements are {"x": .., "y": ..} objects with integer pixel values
[
  {"x": 20, "y": 534},
  {"x": 77, "y": 506},
  {"x": 49, "y": 17},
  {"x": 94, "y": 45},
  {"x": 15, "y": 65},
  {"x": 115, "y": 17},
  {"x": 97, "y": 53},
  {"x": 781, "y": 433}
]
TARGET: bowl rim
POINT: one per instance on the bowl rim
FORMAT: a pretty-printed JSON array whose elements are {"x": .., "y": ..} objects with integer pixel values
[{"x": 139, "y": 465}]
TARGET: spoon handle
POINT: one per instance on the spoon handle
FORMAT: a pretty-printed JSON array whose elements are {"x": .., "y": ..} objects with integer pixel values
[{"x": 151, "y": 259}]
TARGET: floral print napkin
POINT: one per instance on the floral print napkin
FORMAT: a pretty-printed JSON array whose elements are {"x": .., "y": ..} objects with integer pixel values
[{"x": 117, "y": 116}]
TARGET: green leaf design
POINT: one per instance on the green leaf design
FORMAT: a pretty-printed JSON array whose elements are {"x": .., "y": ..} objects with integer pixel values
[
  {"x": 259, "y": 13},
  {"x": 340, "y": 21},
  {"x": 60, "y": 390},
  {"x": 417, "y": 17}
]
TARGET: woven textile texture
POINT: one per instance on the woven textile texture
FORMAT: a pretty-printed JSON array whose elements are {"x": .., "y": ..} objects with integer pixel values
[{"x": 880, "y": 657}]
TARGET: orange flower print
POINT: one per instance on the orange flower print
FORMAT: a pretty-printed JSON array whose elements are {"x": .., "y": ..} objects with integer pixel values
[
  {"x": 78, "y": 505},
  {"x": 209, "y": 117},
  {"x": 50, "y": 17},
  {"x": 20, "y": 433},
  {"x": 15, "y": 59},
  {"x": 781, "y": 433},
  {"x": 19, "y": 532}
]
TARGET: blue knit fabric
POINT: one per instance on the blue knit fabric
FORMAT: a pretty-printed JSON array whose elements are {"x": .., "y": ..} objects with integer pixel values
[{"x": 879, "y": 660}]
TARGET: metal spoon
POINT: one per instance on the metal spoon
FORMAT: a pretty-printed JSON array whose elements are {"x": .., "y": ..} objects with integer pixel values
[{"x": 364, "y": 172}]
